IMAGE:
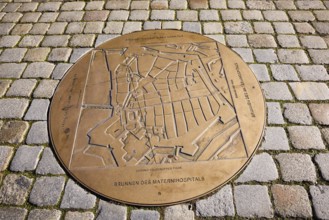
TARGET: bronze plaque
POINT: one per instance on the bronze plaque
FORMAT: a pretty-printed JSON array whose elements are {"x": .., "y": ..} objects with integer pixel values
[{"x": 157, "y": 117}]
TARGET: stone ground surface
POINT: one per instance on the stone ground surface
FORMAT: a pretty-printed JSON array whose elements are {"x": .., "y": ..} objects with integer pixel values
[{"x": 285, "y": 42}]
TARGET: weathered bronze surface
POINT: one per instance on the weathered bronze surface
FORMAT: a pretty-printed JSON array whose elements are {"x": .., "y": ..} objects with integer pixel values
[{"x": 157, "y": 117}]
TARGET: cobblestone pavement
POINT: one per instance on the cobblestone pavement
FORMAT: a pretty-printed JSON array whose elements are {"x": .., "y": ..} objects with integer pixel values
[{"x": 284, "y": 42}]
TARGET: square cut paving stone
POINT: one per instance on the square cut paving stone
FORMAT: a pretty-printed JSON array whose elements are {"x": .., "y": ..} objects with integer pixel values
[
  {"x": 5, "y": 28},
  {"x": 320, "y": 200},
  {"x": 13, "y": 132},
  {"x": 75, "y": 27},
  {"x": 319, "y": 56},
  {"x": 265, "y": 55},
  {"x": 236, "y": 40},
  {"x": 45, "y": 88},
  {"x": 218, "y": 205},
  {"x": 49, "y": 6},
  {"x": 231, "y": 15},
  {"x": 47, "y": 191},
  {"x": 260, "y": 70},
  {"x": 312, "y": 72},
  {"x": 301, "y": 15},
  {"x": 274, "y": 113},
  {"x": 238, "y": 27},
  {"x": 292, "y": 56},
  {"x": 236, "y": 4},
  {"x": 38, "y": 133},
  {"x": 117, "y": 4},
  {"x": 283, "y": 28},
  {"x": 29, "y": 6},
  {"x": 192, "y": 27},
  {"x": 142, "y": 4},
  {"x": 182, "y": 211},
  {"x": 38, "y": 110},
  {"x": 11, "y": 70},
  {"x": 187, "y": 15},
  {"x": 198, "y": 4},
  {"x": 297, "y": 113},
  {"x": 244, "y": 53},
  {"x": 52, "y": 214},
  {"x": 93, "y": 27},
  {"x": 322, "y": 15},
  {"x": 315, "y": 42},
  {"x": 4, "y": 85},
  {"x": 252, "y": 15},
  {"x": 144, "y": 214},
  {"x": 6, "y": 153},
  {"x": 119, "y": 15},
  {"x": 55, "y": 41},
  {"x": 212, "y": 28},
  {"x": 178, "y": 4},
  {"x": 37, "y": 54},
  {"x": 322, "y": 161},
  {"x": 288, "y": 41},
  {"x": 261, "y": 41},
  {"x": 310, "y": 90},
  {"x": 14, "y": 189},
  {"x": 291, "y": 201},
  {"x": 139, "y": 15},
  {"x": 70, "y": 16},
  {"x": 9, "y": 41},
  {"x": 21, "y": 29},
  {"x": 38, "y": 70},
  {"x": 30, "y": 17},
  {"x": 151, "y": 25},
  {"x": 76, "y": 197},
  {"x": 26, "y": 158},
  {"x": 82, "y": 40},
  {"x": 12, "y": 213},
  {"x": 106, "y": 209},
  {"x": 162, "y": 15},
  {"x": 159, "y": 4},
  {"x": 320, "y": 113},
  {"x": 310, "y": 5},
  {"x": 57, "y": 28},
  {"x": 218, "y": 37},
  {"x": 39, "y": 28},
  {"x": 325, "y": 133},
  {"x": 79, "y": 216},
  {"x": 48, "y": 17},
  {"x": 60, "y": 54},
  {"x": 73, "y": 6},
  {"x": 11, "y": 7},
  {"x": 31, "y": 41},
  {"x": 12, "y": 17},
  {"x": 275, "y": 16},
  {"x": 113, "y": 27},
  {"x": 261, "y": 169},
  {"x": 13, "y": 107},
  {"x": 253, "y": 201},
  {"x": 296, "y": 167},
  {"x": 12, "y": 55},
  {"x": 48, "y": 164},
  {"x": 304, "y": 28},
  {"x": 275, "y": 138},
  {"x": 262, "y": 5},
  {"x": 284, "y": 72},
  {"x": 22, "y": 87},
  {"x": 276, "y": 91},
  {"x": 306, "y": 137}
]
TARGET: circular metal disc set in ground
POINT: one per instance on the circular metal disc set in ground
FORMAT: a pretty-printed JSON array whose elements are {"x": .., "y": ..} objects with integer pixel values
[{"x": 157, "y": 117}]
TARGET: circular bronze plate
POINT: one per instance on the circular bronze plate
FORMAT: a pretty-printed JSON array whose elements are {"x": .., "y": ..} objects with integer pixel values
[{"x": 157, "y": 117}]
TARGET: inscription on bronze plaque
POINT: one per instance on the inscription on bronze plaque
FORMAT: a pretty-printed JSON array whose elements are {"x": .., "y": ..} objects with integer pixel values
[{"x": 157, "y": 117}]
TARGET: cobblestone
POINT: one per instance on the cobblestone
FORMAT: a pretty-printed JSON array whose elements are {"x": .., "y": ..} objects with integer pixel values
[
  {"x": 320, "y": 199},
  {"x": 171, "y": 25},
  {"x": 198, "y": 4},
  {"x": 73, "y": 6},
  {"x": 274, "y": 114},
  {"x": 37, "y": 110},
  {"x": 144, "y": 214},
  {"x": 304, "y": 28},
  {"x": 284, "y": 73},
  {"x": 48, "y": 164},
  {"x": 313, "y": 72},
  {"x": 296, "y": 167},
  {"x": 60, "y": 54},
  {"x": 162, "y": 15},
  {"x": 261, "y": 41},
  {"x": 283, "y": 28},
  {"x": 320, "y": 56},
  {"x": 218, "y": 205},
  {"x": 55, "y": 41},
  {"x": 140, "y": 5},
  {"x": 325, "y": 133},
  {"x": 39, "y": 28},
  {"x": 231, "y": 15},
  {"x": 276, "y": 91},
  {"x": 30, "y": 17},
  {"x": 9, "y": 41},
  {"x": 4, "y": 85},
  {"x": 297, "y": 113},
  {"x": 313, "y": 42},
  {"x": 252, "y": 15},
  {"x": 275, "y": 138},
  {"x": 21, "y": 29},
  {"x": 266, "y": 55},
  {"x": 310, "y": 91},
  {"x": 152, "y": 25},
  {"x": 292, "y": 56},
  {"x": 26, "y": 158},
  {"x": 301, "y": 15},
  {"x": 263, "y": 28},
  {"x": 119, "y": 15},
  {"x": 321, "y": 27},
  {"x": 12, "y": 70},
  {"x": 70, "y": 16},
  {"x": 187, "y": 15},
  {"x": 49, "y": 6},
  {"x": 47, "y": 196},
  {"x": 12, "y": 55},
  {"x": 49, "y": 17},
  {"x": 322, "y": 161},
  {"x": 5, "y": 28},
  {"x": 6, "y": 153},
  {"x": 44, "y": 214},
  {"x": 13, "y": 132},
  {"x": 261, "y": 5},
  {"x": 131, "y": 27},
  {"x": 14, "y": 189},
  {"x": 86, "y": 40},
  {"x": 192, "y": 27},
  {"x": 57, "y": 28},
  {"x": 38, "y": 69},
  {"x": 106, "y": 209},
  {"x": 37, "y": 54},
  {"x": 13, "y": 108},
  {"x": 78, "y": 53},
  {"x": 212, "y": 28},
  {"x": 159, "y": 4},
  {"x": 38, "y": 133},
  {"x": 238, "y": 27},
  {"x": 288, "y": 41},
  {"x": 291, "y": 201},
  {"x": 310, "y": 5},
  {"x": 139, "y": 15},
  {"x": 320, "y": 113},
  {"x": 45, "y": 88},
  {"x": 12, "y": 213},
  {"x": 236, "y": 40},
  {"x": 79, "y": 216},
  {"x": 322, "y": 15},
  {"x": 117, "y": 4},
  {"x": 182, "y": 211},
  {"x": 305, "y": 137}
]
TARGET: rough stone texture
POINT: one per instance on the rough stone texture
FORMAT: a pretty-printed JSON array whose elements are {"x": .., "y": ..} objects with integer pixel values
[
  {"x": 22, "y": 87},
  {"x": 131, "y": 27},
  {"x": 4, "y": 85},
  {"x": 325, "y": 133},
  {"x": 78, "y": 53},
  {"x": 60, "y": 70},
  {"x": 252, "y": 15},
  {"x": 55, "y": 41},
  {"x": 253, "y": 201},
  {"x": 48, "y": 164},
  {"x": 13, "y": 108},
  {"x": 276, "y": 90},
  {"x": 198, "y": 4},
  {"x": 39, "y": 214},
  {"x": 192, "y": 27},
  {"x": 38, "y": 133},
  {"x": 49, "y": 195},
  {"x": 239, "y": 27},
  {"x": 39, "y": 69},
  {"x": 45, "y": 89},
  {"x": 313, "y": 72},
  {"x": 320, "y": 199},
  {"x": 86, "y": 40},
  {"x": 284, "y": 73},
  {"x": 274, "y": 113},
  {"x": 301, "y": 15},
  {"x": 60, "y": 54},
  {"x": 6, "y": 153},
  {"x": 182, "y": 212},
  {"x": 162, "y": 15},
  {"x": 117, "y": 4},
  {"x": 288, "y": 41},
  {"x": 310, "y": 91},
  {"x": 296, "y": 167},
  {"x": 37, "y": 54},
  {"x": 12, "y": 55},
  {"x": 292, "y": 56},
  {"x": 320, "y": 56},
  {"x": 12, "y": 213},
  {"x": 79, "y": 216},
  {"x": 237, "y": 40},
  {"x": 9, "y": 41},
  {"x": 38, "y": 110},
  {"x": 76, "y": 197},
  {"x": 11, "y": 70},
  {"x": 304, "y": 28},
  {"x": 266, "y": 55},
  {"x": 320, "y": 113},
  {"x": 291, "y": 201},
  {"x": 106, "y": 209},
  {"x": 313, "y": 42},
  {"x": 261, "y": 72},
  {"x": 322, "y": 161},
  {"x": 26, "y": 158},
  {"x": 13, "y": 132},
  {"x": 14, "y": 189},
  {"x": 31, "y": 41},
  {"x": 261, "y": 169},
  {"x": 261, "y": 41},
  {"x": 275, "y": 138},
  {"x": 245, "y": 54},
  {"x": 144, "y": 214},
  {"x": 297, "y": 113},
  {"x": 283, "y": 28}
]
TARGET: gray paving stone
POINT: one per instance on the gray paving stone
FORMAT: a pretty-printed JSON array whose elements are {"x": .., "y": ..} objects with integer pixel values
[
  {"x": 253, "y": 201},
  {"x": 78, "y": 53},
  {"x": 55, "y": 41},
  {"x": 187, "y": 15},
  {"x": 37, "y": 110},
  {"x": 322, "y": 15},
  {"x": 245, "y": 53},
  {"x": 261, "y": 40},
  {"x": 30, "y": 17},
  {"x": 12, "y": 70},
  {"x": 172, "y": 25},
  {"x": 296, "y": 167},
  {"x": 212, "y": 28},
  {"x": 276, "y": 91},
  {"x": 60, "y": 54},
  {"x": 263, "y": 28},
  {"x": 159, "y": 4},
  {"x": 48, "y": 164},
  {"x": 45, "y": 88},
  {"x": 237, "y": 40},
  {"x": 310, "y": 5},
  {"x": 37, "y": 54},
  {"x": 119, "y": 15},
  {"x": 315, "y": 42},
  {"x": 12, "y": 55},
  {"x": 13, "y": 107},
  {"x": 79, "y": 216},
  {"x": 289, "y": 41},
  {"x": 274, "y": 113},
  {"x": 4, "y": 85},
  {"x": 252, "y": 15},
  {"x": 305, "y": 137},
  {"x": 236, "y": 4},
  {"x": 106, "y": 209},
  {"x": 266, "y": 55},
  {"x": 26, "y": 158},
  {"x": 57, "y": 28},
  {"x": 320, "y": 199},
  {"x": 218, "y": 205},
  {"x": 39, "y": 28},
  {"x": 297, "y": 113},
  {"x": 162, "y": 15},
  {"x": 319, "y": 56},
  {"x": 310, "y": 91},
  {"x": 292, "y": 56},
  {"x": 140, "y": 5},
  {"x": 192, "y": 27},
  {"x": 283, "y": 28},
  {"x": 144, "y": 214},
  {"x": 38, "y": 69},
  {"x": 48, "y": 17},
  {"x": 131, "y": 27},
  {"x": 75, "y": 27},
  {"x": 5, "y": 28},
  {"x": 313, "y": 72},
  {"x": 117, "y": 4},
  {"x": 275, "y": 138},
  {"x": 38, "y": 133},
  {"x": 12, "y": 17},
  {"x": 22, "y": 87},
  {"x": 95, "y": 27},
  {"x": 13, "y": 132},
  {"x": 304, "y": 28},
  {"x": 70, "y": 16},
  {"x": 261, "y": 169},
  {"x": 11, "y": 7},
  {"x": 178, "y": 4},
  {"x": 113, "y": 27},
  {"x": 96, "y": 15},
  {"x": 29, "y": 6},
  {"x": 275, "y": 15},
  {"x": 285, "y": 4},
  {"x": 76, "y": 197},
  {"x": 238, "y": 27},
  {"x": 152, "y": 25},
  {"x": 13, "y": 213},
  {"x": 320, "y": 113},
  {"x": 322, "y": 161},
  {"x": 6, "y": 153},
  {"x": 9, "y": 41},
  {"x": 231, "y": 15},
  {"x": 39, "y": 214},
  {"x": 301, "y": 15},
  {"x": 262, "y": 5},
  {"x": 47, "y": 196},
  {"x": 325, "y": 133},
  {"x": 291, "y": 201},
  {"x": 182, "y": 212},
  {"x": 139, "y": 15},
  {"x": 284, "y": 72},
  {"x": 73, "y": 6},
  {"x": 21, "y": 29},
  {"x": 82, "y": 40},
  {"x": 14, "y": 189},
  {"x": 198, "y": 4},
  {"x": 49, "y": 6}
]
